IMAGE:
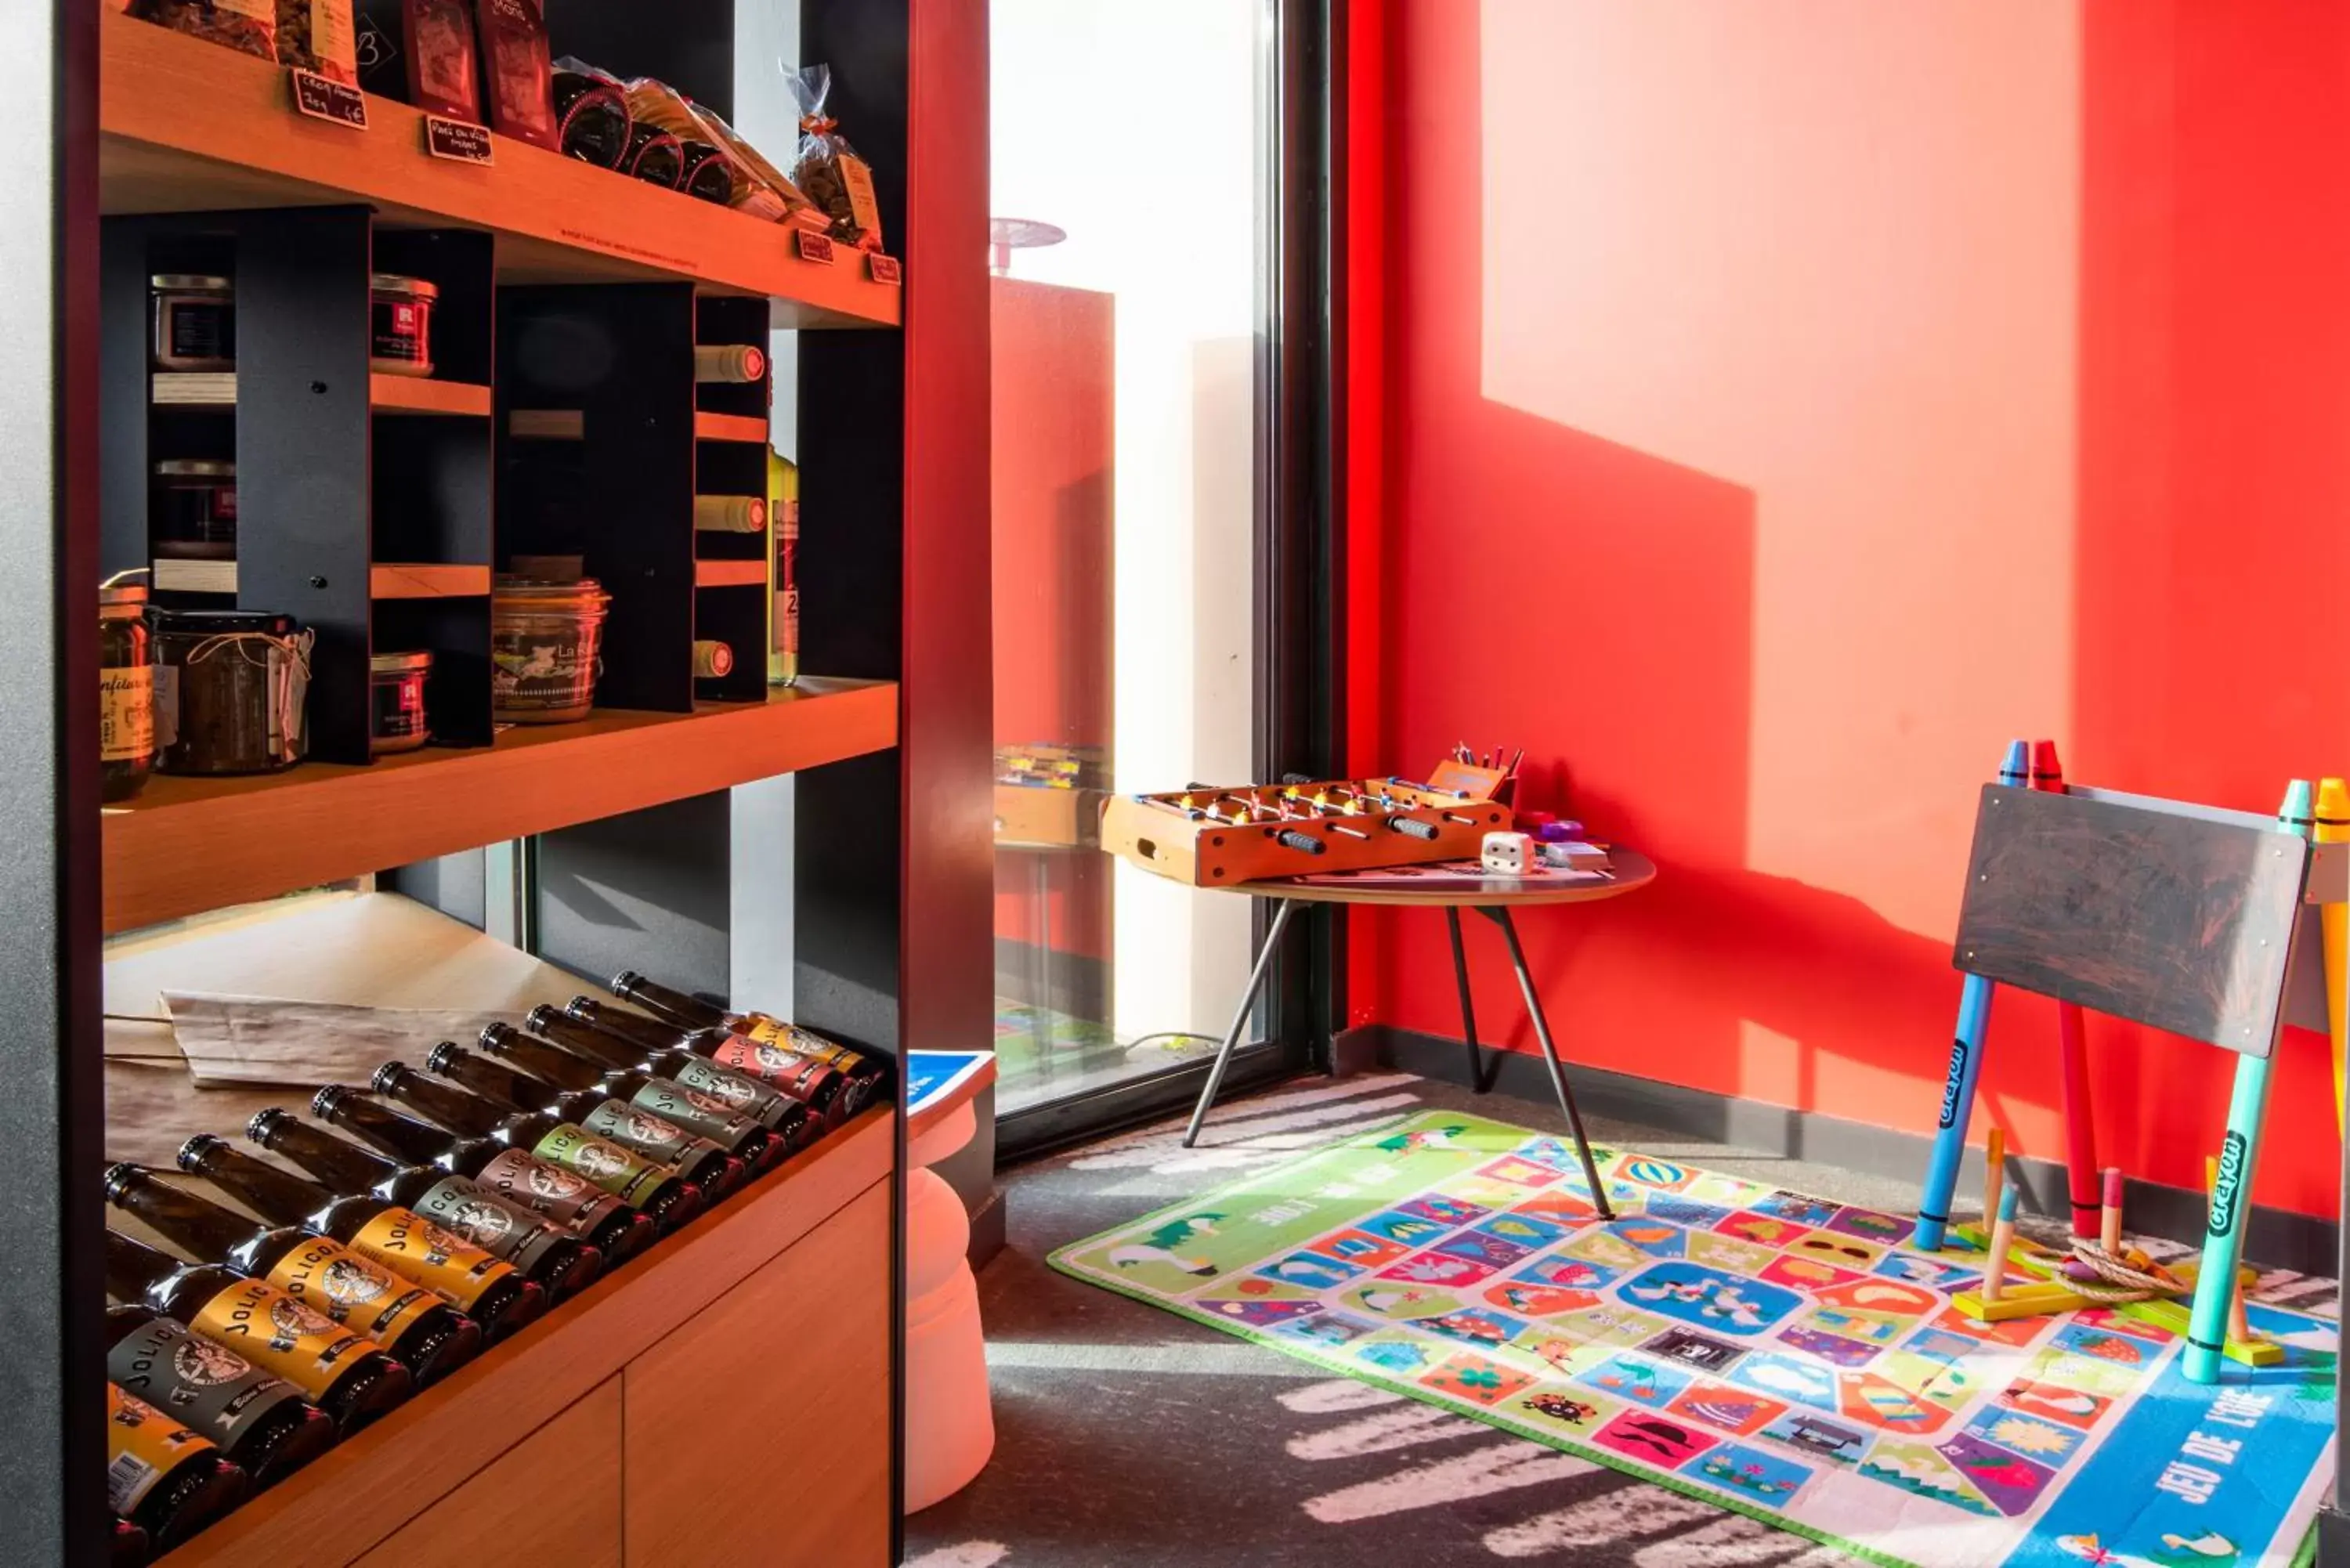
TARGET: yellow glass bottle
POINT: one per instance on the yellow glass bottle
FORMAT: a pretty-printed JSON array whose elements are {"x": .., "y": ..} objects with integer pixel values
[{"x": 782, "y": 569}]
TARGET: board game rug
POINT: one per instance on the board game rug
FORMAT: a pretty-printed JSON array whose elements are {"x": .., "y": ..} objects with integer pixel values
[{"x": 1784, "y": 1356}]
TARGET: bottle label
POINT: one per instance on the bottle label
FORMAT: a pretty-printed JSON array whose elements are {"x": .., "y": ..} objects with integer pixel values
[
  {"x": 345, "y": 1286},
  {"x": 549, "y": 1190},
  {"x": 413, "y": 1247},
  {"x": 708, "y": 1115},
  {"x": 741, "y": 1092},
  {"x": 190, "y": 1379},
  {"x": 794, "y": 1074},
  {"x": 804, "y": 1042},
  {"x": 278, "y": 1333},
  {"x": 607, "y": 1165},
  {"x": 651, "y": 1135},
  {"x": 126, "y": 713},
  {"x": 143, "y": 1446},
  {"x": 499, "y": 1228}
]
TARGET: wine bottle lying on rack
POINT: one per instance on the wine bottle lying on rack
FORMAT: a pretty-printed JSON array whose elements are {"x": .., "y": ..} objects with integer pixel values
[
  {"x": 130, "y": 1547},
  {"x": 551, "y": 1259},
  {"x": 161, "y": 1475},
  {"x": 596, "y": 1051},
  {"x": 344, "y": 1374},
  {"x": 255, "y": 1417},
  {"x": 431, "y": 1337},
  {"x": 823, "y": 1088},
  {"x": 530, "y": 1189},
  {"x": 865, "y": 1067},
  {"x": 738, "y": 1135},
  {"x": 654, "y": 1190},
  {"x": 700, "y": 1164}
]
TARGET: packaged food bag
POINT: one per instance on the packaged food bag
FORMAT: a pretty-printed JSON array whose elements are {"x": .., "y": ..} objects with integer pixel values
[
  {"x": 518, "y": 70},
  {"x": 249, "y": 26},
  {"x": 705, "y": 139},
  {"x": 828, "y": 169},
  {"x": 318, "y": 36}
]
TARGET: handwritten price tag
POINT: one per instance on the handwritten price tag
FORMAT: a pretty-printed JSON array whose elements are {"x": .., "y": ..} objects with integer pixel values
[
  {"x": 337, "y": 103},
  {"x": 814, "y": 247},
  {"x": 884, "y": 269},
  {"x": 456, "y": 140}
]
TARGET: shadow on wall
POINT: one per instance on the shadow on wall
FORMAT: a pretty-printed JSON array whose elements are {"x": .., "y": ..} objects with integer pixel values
[{"x": 1928, "y": 424}]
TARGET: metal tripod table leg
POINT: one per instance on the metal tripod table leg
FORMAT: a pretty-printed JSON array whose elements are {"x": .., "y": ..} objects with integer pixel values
[
  {"x": 1550, "y": 1056},
  {"x": 1482, "y": 1065},
  {"x": 1280, "y": 907}
]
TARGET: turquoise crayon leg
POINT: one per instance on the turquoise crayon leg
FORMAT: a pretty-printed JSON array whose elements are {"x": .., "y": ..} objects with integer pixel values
[
  {"x": 2223, "y": 1242},
  {"x": 1957, "y": 1105}
]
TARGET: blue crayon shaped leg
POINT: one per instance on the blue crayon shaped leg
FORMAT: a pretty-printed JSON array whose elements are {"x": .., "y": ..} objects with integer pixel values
[
  {"x": 1957, "y": 1105},
  {"x": 2223, "y": 1241}
]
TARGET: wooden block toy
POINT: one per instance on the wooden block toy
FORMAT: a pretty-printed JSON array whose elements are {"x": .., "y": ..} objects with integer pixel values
[
  {"x": 1211, "y": 837},
  {"x": 2036, "y": 1300}
]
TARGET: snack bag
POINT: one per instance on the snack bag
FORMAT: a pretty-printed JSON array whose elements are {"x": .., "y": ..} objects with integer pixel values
[
  {"x": 828, "y": 169},
  {"x": 442, "y": 75},
  {"x": 318, "y": 36},
  {"x": 250, "y": 25},
  {"x": 518, "y": 70}
]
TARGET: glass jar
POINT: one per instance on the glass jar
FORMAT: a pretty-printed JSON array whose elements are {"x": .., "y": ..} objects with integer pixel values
[
  {"x": 191, "y": 509},
  {"x": 399, "y": 341},
  {"x": 126, "y": 686},
  {"x": 544, "y": 639},
  {"x": 396, "y": 699},
  {"x": 194, "y": 320},
  {"x": 230, "y": 690}
]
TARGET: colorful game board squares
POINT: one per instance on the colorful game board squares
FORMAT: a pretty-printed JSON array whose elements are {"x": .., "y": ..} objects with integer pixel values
[
  {"x": 1752, "y": 1473},
  {"x": 1479, "y": 1247},
  {"x": 1727, "y": 1191},
  {"x": 1719, "y": 1252},
  {"x": 1262, "y": 1313},
  {"x": 1567, "y": 1410},
  {"x": 1687, "y": 1347},
  {"x": 1524, "y": 1229},
  {"x": 1566, "y": 1358},
  {"x": 1763, "y": 1229},
  {"x": 1630, "y": 1375},
  {"x": 1476, "y": 1378},
  {"x": 1406, "y": 1357},
  {"x": 1480, "y": 1193},
  {"x": 2012, "y": 1483},
  {"x": 1438, "y": 1269},
  {"x": 1941, "y": 1344},
  {"x": 2108, "y": 1320},
  {"x": 1555, "y": 1153},
  {"x": 1738, "y": 1411},
  {"x": 2067, "y": 1368},
  {"x": 1361, "y": 1247},
  {"x": 1911, "y": 1269},
  {"x": 1401, "y": 1301},
  {"x": 1475, "y": 1327},
  {"x": 1920, "y": 1471},
  {"x": 1611, "y": 1324},
  {"x": 1803, "y": 1273},
  {"x": 2044, "y": 1441},
  {"x": 1708, "y": 1298},
  {"x": 1567, "y": 1210},
  {"x": 1870, "y": 1226},
  {"x": 1662, "y": 1174},
  {"x": 1800, "y": 1208},
  {"x": 1829, "y": 1247},
  {"x": 1406, "y": 1230},
  {"x": 1601, "y": 1246},
  {"x": 1519, "y": 1172},
  {"x": 1577, "y": 1274},
  {"x": 1807, "y": 1433},
  {"x": 1788, "y": 1378},
  {"x": 1880, "y": 1298},
  {"x": 1868, "y": 1328},
  {"x": 1684, "y": 1211},
  {"x": 1832, "y": 1348},
  {"x": 2119, "y": 1350},
  {"x": 2018, "y": 1331},
  {"x": 1650, "y": 1237},
  {"x": 1443, "y": 1211},
  {"x": 1423, "y": 1138},
  {"x": 1948, "y": 1383},
  {"x": 1310, "y": 1270},
  {"x": 1653, "y": 1439},
  {"x": 1872, "y": 1401},
  {"x": 1333, "y": 1329},
  {"x": 1539, "y": 1301}
]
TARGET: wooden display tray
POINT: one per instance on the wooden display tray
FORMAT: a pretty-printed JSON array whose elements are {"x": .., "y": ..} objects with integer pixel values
[
  {"x": 536, "y": 1404},
  {"x": 1026, "y": 814},
  {"x": 188, "y": 845},
  {"x": 188, "y": 126}
]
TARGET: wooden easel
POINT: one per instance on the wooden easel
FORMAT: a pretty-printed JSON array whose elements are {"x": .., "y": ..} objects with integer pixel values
[{"x": 2198, "y": 920}]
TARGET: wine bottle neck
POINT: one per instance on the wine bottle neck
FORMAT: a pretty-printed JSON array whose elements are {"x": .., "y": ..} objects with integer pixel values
[
  {"x": 283, "y": 1197},
  {"x": 403, "y": 1137},
  {"x": 452, "y": 1106},
  {"x": 134, "y": 1268},
  {"x": 205, "y": 1229},
  {"x": 341, "y": 1165}
]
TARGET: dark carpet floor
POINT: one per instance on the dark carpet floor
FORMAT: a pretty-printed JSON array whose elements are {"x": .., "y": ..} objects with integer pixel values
[{"x": 1127, "y": 1438}]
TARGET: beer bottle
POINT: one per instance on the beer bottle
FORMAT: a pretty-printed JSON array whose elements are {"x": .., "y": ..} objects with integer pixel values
[
  {"x": 652, "y": 1190},
  {"x": 697, "y": 1161},
  {"x": 344, "y": 1374},
  {"x": 868, "y": 1067},
  {"x": 257, "y": 1419},
  {"x": 162, "y": 1476},
  {"x": 715, "y": 1119},
  {"x": 501, "y": 1299},
  {"x": 609, "y": 1231},
  {"x": 823, "y": 1089},
  {"x": 129, "y": 1547},
  {"x": 586, "y": 1053},
  {"x": 429, "y": 1336}
]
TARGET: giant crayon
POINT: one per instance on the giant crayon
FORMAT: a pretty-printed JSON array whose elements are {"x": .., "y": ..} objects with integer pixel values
[
  {"x": 2080, "y": 1137},
  {"x": 2232, "y": 1193},
  {"x": 1965, "y": 1069},
  {"x": 2333, "y": 827}
]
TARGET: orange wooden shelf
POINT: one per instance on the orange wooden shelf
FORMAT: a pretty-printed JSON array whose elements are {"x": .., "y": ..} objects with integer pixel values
[
  {"x": 188, "y": 845},
  {"x": 425, "y": 580},
  {"x": 730, "y": 574},
  {"x": 708, "y": 426},
  {"x": 187, "y": 126},
  {"x": 418, "y": 395}
]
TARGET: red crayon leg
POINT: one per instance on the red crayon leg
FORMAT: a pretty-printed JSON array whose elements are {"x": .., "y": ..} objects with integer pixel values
[{"x": 2080, "y": 1137}]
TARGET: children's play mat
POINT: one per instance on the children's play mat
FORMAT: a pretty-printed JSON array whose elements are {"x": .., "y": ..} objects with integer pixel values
[{"x": 1782, "y": 1356}]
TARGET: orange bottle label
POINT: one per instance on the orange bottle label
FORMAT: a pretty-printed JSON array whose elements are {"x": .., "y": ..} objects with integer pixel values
[
  {"x": 143, "y": 1446},
  {"x": 445, "y": 1263},
  {"x": 280, "y": 1334},
  {"x": 324, "y": 1273}
]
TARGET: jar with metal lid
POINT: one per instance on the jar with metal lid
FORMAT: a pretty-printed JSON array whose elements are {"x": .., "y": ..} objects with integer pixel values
[
  {"x": 126, "y": 687},
  {"x": 194, "y": 321},
  {"x": 395, "y": 699},
  {"x": 230, "y": 692},
  {"x": 191, "y": 509},
  {"x": 544, "y": 639},
  {"x": 399, "y": 341}
]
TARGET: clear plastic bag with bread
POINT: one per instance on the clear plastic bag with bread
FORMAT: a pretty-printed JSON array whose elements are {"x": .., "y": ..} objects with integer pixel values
[{"x": 837, "y": 180}]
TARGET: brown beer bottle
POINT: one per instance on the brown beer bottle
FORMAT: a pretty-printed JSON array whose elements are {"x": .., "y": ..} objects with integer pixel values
[
  {"x": 580, "y": 1052},
  {"x": 129, "y": 1547},
  {"x": 257, "y": 1419},
  {"x": 698, "y": 1161},
  {"x": 478, "y": 1218},
  {"x": 344, "y": 1374},
  {"x": 823, "y": 1088},
  {"x": 527, "y": 1187},
  {"x": 162, "y": 1476},
  {"x": 428, "y": 1336},
  {"x": 652, "y": 1190},
  {"x": 868, "y": 1067},
  {"x": 700, "y": 1114}
]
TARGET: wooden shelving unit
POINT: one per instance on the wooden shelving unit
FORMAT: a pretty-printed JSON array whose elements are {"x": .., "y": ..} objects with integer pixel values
[
  {"x": 708, "y": 426},
  {"x": 187, "y": 844},
  {"x": 418, "y": 395},
  {"x": 187, "y": 126},
  {"x": 730, "y": 574},
  {"x": 426, "y": 580}
]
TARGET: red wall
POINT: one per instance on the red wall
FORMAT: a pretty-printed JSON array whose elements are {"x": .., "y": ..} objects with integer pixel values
[{"x": 1778, "y": 408}]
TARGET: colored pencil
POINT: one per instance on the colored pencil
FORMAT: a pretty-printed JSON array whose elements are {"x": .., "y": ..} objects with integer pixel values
[
  {"x": 2003, "y": 1241},
  {"x": 1965, "y": 1069},
  {"x": 2333, "y": 826}
]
